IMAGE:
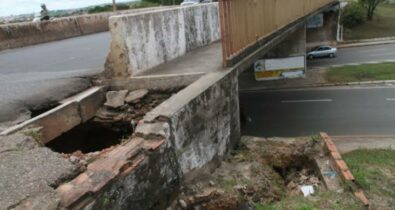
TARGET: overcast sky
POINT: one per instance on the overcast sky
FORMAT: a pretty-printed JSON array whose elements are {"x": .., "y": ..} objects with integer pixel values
[{"x": 16, "y": 7}]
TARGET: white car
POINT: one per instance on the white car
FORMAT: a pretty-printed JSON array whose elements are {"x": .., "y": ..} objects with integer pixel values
[
  {"x": 194, "y": 2},
  {"x": 322, "y": 51}
]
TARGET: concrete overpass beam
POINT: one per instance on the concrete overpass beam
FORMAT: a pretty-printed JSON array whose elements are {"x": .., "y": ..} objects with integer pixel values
[{"x": 293, "y": 45}]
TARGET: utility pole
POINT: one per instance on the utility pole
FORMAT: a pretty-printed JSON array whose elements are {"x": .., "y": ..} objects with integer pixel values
[{"x": 114, "y": 6}]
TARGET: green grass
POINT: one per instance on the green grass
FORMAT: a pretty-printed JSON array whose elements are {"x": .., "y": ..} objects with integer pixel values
[
  {"x": 321, "y": 200},
  {"x": 382, "y": 25},
  {"x": 374, "y": 171},
  {"x": 365, "y": 72}
]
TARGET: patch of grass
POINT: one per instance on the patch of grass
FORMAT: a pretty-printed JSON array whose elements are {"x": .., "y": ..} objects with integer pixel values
[
  {"x": 367, "y": 167},
  {"x": 374, "y": 171},
  {"x": 365, "y": 72},
  {"x": 35, "y": 133},
  {"x": 382, "y": 25},
  {"x": 321, "y": 200}
]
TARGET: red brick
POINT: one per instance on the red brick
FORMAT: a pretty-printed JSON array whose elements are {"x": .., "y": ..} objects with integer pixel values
[
  {"x": 361, "y": 196},
  {"x": 341, "y": 165},
  {"x": 99, "y": 173},
  {"x": 153, "y": 144},
  {"x": 336, "y": 156},
  {"x": 348, "y": 175}
]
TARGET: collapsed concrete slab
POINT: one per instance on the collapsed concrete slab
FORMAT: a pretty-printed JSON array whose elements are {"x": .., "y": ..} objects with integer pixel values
[
  {"x": 195, "y": 127},
  {"x": 29, "y": 173}
]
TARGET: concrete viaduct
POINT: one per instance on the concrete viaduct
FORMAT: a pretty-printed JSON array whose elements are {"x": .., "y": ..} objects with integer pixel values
[{"x": 201, "y": 49}]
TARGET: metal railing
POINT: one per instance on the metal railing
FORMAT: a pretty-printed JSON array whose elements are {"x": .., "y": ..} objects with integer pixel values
[{"x": 245, "y": 22}]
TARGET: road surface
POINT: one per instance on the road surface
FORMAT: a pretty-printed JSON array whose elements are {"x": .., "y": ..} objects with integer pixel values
[
  {"x": 338, "y": 111},
  {"x": 357, "y": 55},
  {"x": 35, "y": 75}
]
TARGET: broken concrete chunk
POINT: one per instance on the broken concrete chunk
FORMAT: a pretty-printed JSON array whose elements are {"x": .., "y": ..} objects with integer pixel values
[
  {"x": 136, "y": 95},
  {"x": 115, "y": 99}
]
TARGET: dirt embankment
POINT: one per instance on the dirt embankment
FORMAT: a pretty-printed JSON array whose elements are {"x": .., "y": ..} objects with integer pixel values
[{"x": 260, "y": 171}]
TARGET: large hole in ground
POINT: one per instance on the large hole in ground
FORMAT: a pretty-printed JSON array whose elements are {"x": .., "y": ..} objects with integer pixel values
[
  {"x": 90, "y": 137},
  {"x": 109, "y": 126},
  {"x": 36, "y": 111}
]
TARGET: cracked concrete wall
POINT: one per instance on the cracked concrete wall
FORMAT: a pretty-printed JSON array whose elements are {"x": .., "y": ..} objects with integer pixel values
[
  {"x": 207, "y": 127},
  {"x": 193, "y": 129},
  {"x": 203, "y": 119},
  {"x": 29, "y": 33},
  {"x": 143, "y": 41},
  {"x": 150, "y": 186}
]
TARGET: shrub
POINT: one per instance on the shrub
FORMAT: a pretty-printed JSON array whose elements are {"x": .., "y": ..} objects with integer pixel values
[
  {"x": 108, "y": 8},
  {"x": 353, "y": 15}
]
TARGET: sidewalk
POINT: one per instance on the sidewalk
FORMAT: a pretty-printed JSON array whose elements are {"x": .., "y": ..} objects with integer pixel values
[
  {"x": 349, "y": 143},
  {"x": 314, "y": 78},
  {"x": 247, "y": 81},
  {"x": 366, "y": 42}
]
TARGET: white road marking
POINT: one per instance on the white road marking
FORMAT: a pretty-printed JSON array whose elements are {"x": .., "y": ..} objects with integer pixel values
[
  {"x": 382, "y": 54},
  {"x": 390, "y": 99},
  {"x": 307, "y": 101}
]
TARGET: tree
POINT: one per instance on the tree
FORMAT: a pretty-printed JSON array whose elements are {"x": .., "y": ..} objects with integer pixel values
[
  {"x": 370, "y": 6},
  {"x": 352, "y": 15},
  {"x": 165, "y": 2}
]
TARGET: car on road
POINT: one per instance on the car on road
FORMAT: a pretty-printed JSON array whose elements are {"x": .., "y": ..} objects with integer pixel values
[
  {"x": 322, "y": 51},
  {"x": 193, "y": 2}
]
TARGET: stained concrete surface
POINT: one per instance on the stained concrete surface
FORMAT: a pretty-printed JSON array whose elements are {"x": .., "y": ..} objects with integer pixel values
[
  {"x": 143, "y": 41},
  {"x": 34, "y": 75},
  {"x": 202, "y": 60},
  {"x": 29, "y": 172}
]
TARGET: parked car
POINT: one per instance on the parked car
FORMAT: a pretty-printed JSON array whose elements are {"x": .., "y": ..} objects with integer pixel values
[
  {"x": 193, "y": 2},
  {"x": 322, "y": 51}
]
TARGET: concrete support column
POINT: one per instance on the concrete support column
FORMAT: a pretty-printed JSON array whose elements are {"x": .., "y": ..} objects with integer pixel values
[
  {"x": 293, "y": 45},
  {"x": 328, "y": 33}
]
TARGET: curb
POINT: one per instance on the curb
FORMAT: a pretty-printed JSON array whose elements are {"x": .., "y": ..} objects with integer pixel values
[
  {"x": 382, "y": 82},
  {"x": 341, "y": 166},
  {"x": 366, "y": 42}
]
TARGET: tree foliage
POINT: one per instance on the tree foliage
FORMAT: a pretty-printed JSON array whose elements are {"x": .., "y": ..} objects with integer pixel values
[
  {"x": 353, "y": 15},
  {"x": 370, "y": 6},
  {"x": 166, "y": 2}
]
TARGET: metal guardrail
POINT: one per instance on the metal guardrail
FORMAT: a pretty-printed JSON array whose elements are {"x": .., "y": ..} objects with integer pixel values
[{"x": 245, "y": 22}]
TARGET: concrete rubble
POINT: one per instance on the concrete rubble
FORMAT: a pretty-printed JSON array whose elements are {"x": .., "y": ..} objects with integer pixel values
[
  {"x": 260, "y": 171},
  {"x": 115, "y": 99},
  {"x": 135, "y": 95}
]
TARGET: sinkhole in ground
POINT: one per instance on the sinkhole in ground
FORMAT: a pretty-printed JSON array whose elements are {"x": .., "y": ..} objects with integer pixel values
[
  {"x": 36, "y": 111},
  {"x": 91, "y": 137}
]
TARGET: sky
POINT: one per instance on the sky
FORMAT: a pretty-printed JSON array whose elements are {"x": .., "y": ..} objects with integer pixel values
[{"x": 16, "y": 7}]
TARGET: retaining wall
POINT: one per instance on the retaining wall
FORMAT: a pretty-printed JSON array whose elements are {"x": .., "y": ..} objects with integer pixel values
[
  {"x": 193, "y": 128},
  {"x": 30, "y": 33},
  {"x": 143, "y": 41}
]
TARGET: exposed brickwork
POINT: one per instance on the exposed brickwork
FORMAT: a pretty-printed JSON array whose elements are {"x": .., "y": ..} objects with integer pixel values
[
  {"x": 341, "y": 166},
  {"x": 361, "y": 196},
  {"x": 119, "y": 162}
]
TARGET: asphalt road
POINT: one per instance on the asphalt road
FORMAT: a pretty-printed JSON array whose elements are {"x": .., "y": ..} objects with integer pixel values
[
  {"x": 337, "y": 111},
  {"x": 357, "y": 55},
  {"x": 39, "y": 74}
]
